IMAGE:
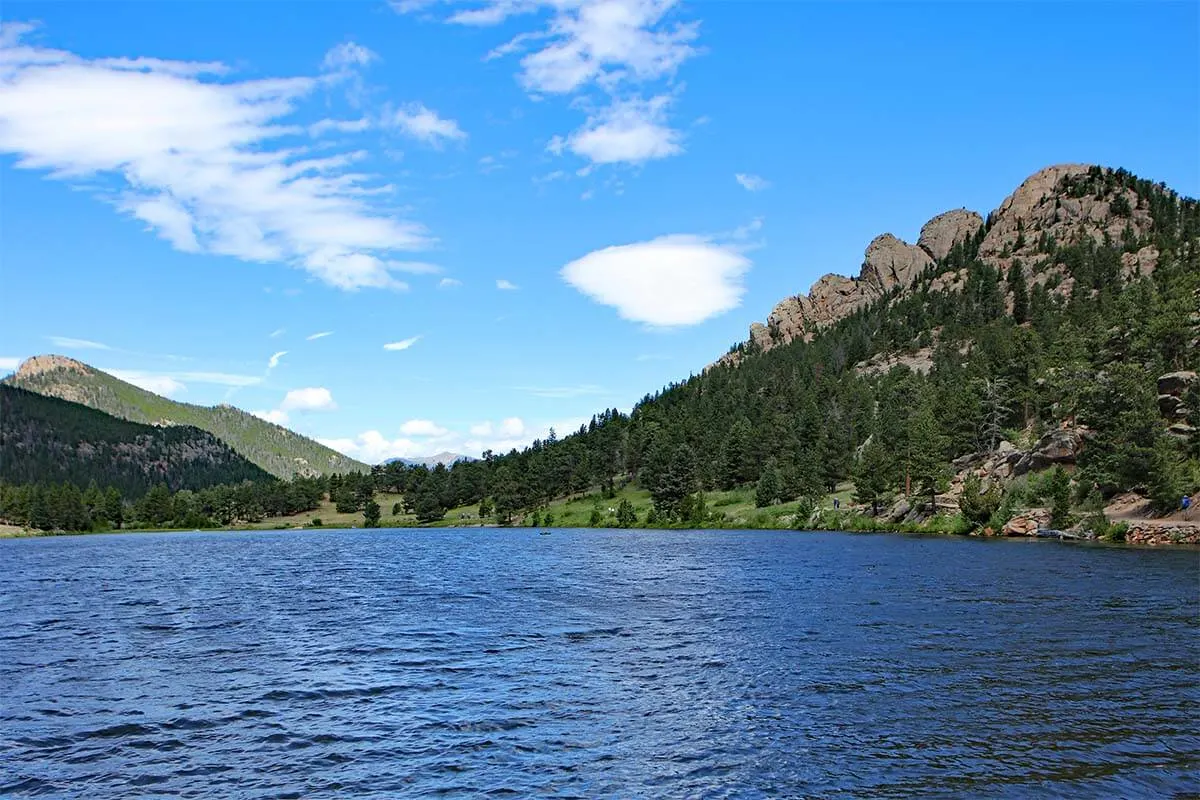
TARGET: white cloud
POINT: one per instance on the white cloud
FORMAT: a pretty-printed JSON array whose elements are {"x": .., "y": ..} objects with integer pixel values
[
  {"x": 275, "y": 334},
  {"x": 511, "y": 426},
  {"x": 403, "y": 344},
  {"x": 631, "y": 131},
  {"x": 316, "y": 398},
  {"x": 274, "y": 362},
  {"x": 449, "y": 283},
  {"x": 597, "y": 48},
  {"x": 587, "y": 195},
  {"x": 601, "y": 42},
  {"x": 322, "y": 127},
  {"x": 316, "y": 336},
  {"x": 277, "y": 416},
  {"x": 415, "y": 267},
  {"x": 419, "y": 122},
  {"x": 372, "y": 447},
  {"x": 752, "y": 183},
  {"x": 200, "y": 159},
  {"x": 163, "y": 385},
  {"x": 422, "y": 427},
  {"x": 505, "y": 285},
  {"x": 9, "y": 363},
  {"x": 348, "y": 55},
  {"x": 558, "y": 174},
  {"x": 667, "y": 282},
  {"x": 76, "y": 344}
]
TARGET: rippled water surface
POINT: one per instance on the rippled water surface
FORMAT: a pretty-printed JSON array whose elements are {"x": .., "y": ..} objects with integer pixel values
[{"x": 595, "y": 663}]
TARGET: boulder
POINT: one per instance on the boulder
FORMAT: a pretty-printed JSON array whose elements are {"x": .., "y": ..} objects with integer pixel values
[
  {"x": 1171, "y": 406},
  {"x": 945, "y": 230},
  {"x": 890, "y": 262},
  {"x": 1183, "y": 431},
  {"x": 1059, "y": 446},
  {"x": 1160, "y": 533},
  {"x": 1027, "y": 524},
  {"x": 1176, "y": 383}
]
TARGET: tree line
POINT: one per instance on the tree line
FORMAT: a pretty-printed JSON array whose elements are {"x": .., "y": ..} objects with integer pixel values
[{"x": 67, "y": 507}]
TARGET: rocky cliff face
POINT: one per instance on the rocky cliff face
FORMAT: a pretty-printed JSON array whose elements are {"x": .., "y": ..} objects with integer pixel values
[{"x": 1055, "y": 204}]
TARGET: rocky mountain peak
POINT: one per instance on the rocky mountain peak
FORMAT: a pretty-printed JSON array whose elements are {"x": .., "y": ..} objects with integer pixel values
[
  {"x": 1064, "y": 203},
  {"x": 38, "y": 365},
  {"x": 945, "y": 230}
]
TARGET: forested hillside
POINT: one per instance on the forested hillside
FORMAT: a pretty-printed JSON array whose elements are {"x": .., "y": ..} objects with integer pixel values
[
  {"x": 48, "y": 440},
  {"x": 275, "y": 449},
  {"x": 1063, "y": 329}
]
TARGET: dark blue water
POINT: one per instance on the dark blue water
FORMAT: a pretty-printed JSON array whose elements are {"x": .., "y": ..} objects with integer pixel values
[{"x": 593, "y": 664}]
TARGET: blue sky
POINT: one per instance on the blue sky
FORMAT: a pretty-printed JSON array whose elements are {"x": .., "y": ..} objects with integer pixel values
[{"x": 544, "y": 208}]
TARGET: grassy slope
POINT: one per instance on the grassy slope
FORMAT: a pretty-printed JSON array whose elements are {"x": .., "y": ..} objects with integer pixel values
[
  {"x": 273, "y": 448},
  {"x": 737, "y": 506}
]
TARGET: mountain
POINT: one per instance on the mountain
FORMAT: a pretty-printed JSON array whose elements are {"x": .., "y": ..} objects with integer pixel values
[
  {"x": 446, "y": 458},
  {"x": 1059, "y": 205},
  {"x": 275, "y": 449},
  {"x": 1060, "y": 330},
  {"x": 45, "y": 439}
]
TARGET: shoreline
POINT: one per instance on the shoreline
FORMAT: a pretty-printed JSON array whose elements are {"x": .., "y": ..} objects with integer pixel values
[{"x": 11, "y": 532}]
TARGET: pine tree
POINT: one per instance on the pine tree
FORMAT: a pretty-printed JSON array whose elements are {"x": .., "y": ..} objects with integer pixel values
[
  {"x": 1020, "y": 292},
  {"x": 769, "y": 486},
  {"x": 371, "y": 513},
  {"x": 1060, "y": 498},
  {"x": 873, "y": 474},
  {"x": 626, "y": 516},
  {"x": 924, "y": 458}
]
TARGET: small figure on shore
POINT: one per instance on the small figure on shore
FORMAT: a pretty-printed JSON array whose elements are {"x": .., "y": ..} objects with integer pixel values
[
  {"x": 836, "y": 504},
  {"x": 1186, "y": 503}
]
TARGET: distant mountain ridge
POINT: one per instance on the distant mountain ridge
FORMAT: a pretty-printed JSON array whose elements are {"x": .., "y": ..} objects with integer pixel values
[
  {"x": 49, "y": 440},
  {"x": 277, "y": 450},
  {"x": 446, "y": 458}
]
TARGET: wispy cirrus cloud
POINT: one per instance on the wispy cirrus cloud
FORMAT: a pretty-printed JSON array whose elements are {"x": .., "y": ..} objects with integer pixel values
[
  {"x": 403, "y": 344},
  {"x": 172, "y": 383},
  {"x": 313, "y": 337},
  {"x": 69, "y": 343},
  {"x": 207, "y": 163},
  {"x": 274, "y": 360},
  {"x": 506, "y": 285},
  {"x": 752, "y": 183}
]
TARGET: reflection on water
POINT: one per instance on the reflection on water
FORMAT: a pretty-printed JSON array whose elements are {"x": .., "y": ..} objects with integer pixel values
[{"x": 595, "y": 663}]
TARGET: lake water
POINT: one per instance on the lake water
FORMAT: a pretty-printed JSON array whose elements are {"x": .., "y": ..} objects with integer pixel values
[{"x": 595, "y": 664}]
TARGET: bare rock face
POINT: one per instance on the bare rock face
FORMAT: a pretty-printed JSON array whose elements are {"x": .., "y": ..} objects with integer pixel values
[
  {"x": 1060, "y": 446},
  {"x": 1038, "y": 206},
  {"x": 37, "y": 365},
  {"x": 890, "y": 262},
  {"x": 1143, "y": 262},
  {"x": 945, "y": 230}
]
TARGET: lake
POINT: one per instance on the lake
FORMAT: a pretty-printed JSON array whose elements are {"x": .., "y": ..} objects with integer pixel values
[{"x": 595, "y": 663}]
